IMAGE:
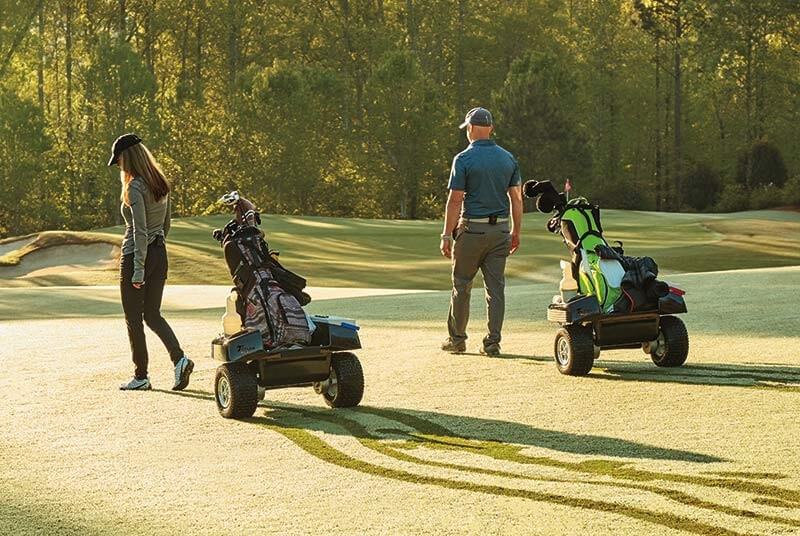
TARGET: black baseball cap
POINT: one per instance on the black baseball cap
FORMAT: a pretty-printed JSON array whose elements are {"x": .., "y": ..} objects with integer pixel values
[
  {"x": 477, "y": 116},
  {"x": 120, "y": 144}
]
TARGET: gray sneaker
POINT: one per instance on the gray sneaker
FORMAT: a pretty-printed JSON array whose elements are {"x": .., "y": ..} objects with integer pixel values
[
  {"x": 183, "y": 369},
  {"x": 490, "y": 349},
  {"x": 454, "y": 347},
  {"x": 136, "y": 385}
]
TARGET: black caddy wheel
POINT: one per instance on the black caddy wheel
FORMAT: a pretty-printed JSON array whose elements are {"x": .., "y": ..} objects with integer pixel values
[
  {"x": 236, "y": 391},
  {"x": 574, "y": 350},
  {"x": 672, "y": 346},
  {"x": 345, "y": 386}
]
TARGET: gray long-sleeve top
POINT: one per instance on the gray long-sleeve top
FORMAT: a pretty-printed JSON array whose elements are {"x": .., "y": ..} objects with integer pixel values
[{"x": 145, "y": 220}]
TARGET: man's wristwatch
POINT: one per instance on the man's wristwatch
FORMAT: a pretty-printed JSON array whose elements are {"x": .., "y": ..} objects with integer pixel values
[{"x": 447, "y": 237}]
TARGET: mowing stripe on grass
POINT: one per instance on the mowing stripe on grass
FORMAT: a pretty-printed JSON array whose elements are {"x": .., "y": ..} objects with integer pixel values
[
  {"x": 325, "y": 452},
  {"x": 614, "y": 469},
  {"x": 449, "y": 443}
]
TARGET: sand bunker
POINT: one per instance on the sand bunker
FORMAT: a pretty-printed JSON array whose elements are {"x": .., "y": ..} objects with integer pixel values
[
  {"x": 63, "y": 259},
  {"x": 8, "y": 247}
]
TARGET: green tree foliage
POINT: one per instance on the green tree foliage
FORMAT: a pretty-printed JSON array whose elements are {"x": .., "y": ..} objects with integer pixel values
[
  {"x": 537, "y": 108},
  {"x": 734, "y": 198},
  {"x": 24, "y": 145},
  {"x": 405, "y": 113},
  {"x": 761, "y": 165},
  {"x": 294, "y": 128},
  {"x": 702, "y": 186},
  {"x": 350, "y": 107}
]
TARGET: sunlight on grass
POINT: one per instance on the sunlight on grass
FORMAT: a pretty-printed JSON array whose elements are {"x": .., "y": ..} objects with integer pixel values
[{"x": 404, "y": 254}]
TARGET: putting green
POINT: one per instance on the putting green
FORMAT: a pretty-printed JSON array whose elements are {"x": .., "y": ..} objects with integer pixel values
[{"x": 442, "y": 444}]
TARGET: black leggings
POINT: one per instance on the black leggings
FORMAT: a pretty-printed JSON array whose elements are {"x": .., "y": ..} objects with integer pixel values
[{"x": 144, "y": 305}]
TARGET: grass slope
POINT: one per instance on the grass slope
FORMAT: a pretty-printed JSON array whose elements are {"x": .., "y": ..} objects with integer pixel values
[{"x": 404, "y": 254}]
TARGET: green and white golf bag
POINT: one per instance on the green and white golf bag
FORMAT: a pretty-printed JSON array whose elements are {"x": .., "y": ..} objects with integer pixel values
[
  {"x": 621, "y": 284},
  {"x": 582, "y": 231}
]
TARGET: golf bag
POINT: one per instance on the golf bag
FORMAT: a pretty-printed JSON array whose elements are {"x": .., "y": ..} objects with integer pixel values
[
  {"x": 270, "y": 297},
  {"x": 620, "y": 283}
]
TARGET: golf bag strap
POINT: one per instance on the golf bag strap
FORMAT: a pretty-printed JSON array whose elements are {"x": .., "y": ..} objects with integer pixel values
[
  {"x": 590, "y": 232},
  {"x": 244, "y": 279},
  {"x": 594, "y": 220},
  {"x": 254, "y": 249},
  {"x": 596, "y": 216}
]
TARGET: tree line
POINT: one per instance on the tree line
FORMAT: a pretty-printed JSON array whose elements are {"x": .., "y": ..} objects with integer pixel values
[{"x": 351, "y": 107}]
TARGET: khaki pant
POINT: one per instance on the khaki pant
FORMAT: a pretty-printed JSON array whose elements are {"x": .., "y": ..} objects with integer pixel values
[{"x": 479, "y": 246}]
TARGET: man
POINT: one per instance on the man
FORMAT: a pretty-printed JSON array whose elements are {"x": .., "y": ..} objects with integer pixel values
[{"x": 485, "y": 189}]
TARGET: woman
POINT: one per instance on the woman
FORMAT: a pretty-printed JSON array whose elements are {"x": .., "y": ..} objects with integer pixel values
[{"x": 143, "y": 267}]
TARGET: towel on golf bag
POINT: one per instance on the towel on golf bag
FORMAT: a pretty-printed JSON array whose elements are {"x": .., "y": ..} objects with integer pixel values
[
  {"x": 641, "y": 289},
  {"x": 265, "y": 304}
]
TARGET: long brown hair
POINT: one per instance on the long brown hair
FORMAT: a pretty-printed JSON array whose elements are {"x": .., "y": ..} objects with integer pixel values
[{"x": 137, "y": 161}]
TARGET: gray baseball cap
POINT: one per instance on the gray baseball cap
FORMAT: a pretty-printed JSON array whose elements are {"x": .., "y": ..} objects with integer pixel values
[{"x": 479, "y": 117}]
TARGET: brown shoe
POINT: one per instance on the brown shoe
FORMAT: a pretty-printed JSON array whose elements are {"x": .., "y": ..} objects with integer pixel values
[{"x": 454, "y": 347}]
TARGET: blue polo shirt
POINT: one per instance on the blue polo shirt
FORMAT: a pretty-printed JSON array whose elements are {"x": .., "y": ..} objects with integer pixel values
[{"x": 484, "y": 171}]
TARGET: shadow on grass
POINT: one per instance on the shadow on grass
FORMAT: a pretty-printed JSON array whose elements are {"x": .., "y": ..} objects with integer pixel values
[
  {"x": 28, "y": 514},
  {"x": 501, "y": 432},
  {"x": 498, "y": 440},
  {"x": 30, "y": 303},
  {"x": 514, "y": 357},
  {"x": 746, "y": 375}
]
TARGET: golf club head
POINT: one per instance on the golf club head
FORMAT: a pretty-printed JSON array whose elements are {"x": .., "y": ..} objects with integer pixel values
[
  {"x": 533, "y": 188},
  {"x": 547, "y": 197},
  {"x": 231, "y": 198}
]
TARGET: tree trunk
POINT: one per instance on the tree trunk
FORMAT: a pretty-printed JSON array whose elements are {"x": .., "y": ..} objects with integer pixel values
[
  {"x": 658, "y": 162},
  {"x": 198, "y": 60},
  {"x": 121, "y": 20},
  {"x": 411, "y": 26},
  {"x": 233, "y": 43},
  {"x": 68, "y": 17},
  {"x": 72, "y": 177},
  {"x": 748, "y": 89},
  {"x": 40, "y": 66},
  {"x": 120, "y": 108},
  {"x": 148, "y": 38},
  {"x": 678, "y": 156},
  {"x": 759, "y": 78},
  {"x": 460, "y": 96},
  {"x": 183, "y": 77},
  {"x": 667, "y": 184},
  {"x": 91, "y": 39}
]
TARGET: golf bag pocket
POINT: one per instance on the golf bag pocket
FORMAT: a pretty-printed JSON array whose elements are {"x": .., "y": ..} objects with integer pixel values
[
  {"x": 255, "y": 314},
  {"x": 598, "y": 277},
  {"x": 289, "y": 321}
]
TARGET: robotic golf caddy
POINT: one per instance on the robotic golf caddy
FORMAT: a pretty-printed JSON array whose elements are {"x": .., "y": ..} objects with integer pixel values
[
  {"x": 599, "y": 308},
  {"x": 249, "y": 369},
  {"x": 269, "y": 342}
]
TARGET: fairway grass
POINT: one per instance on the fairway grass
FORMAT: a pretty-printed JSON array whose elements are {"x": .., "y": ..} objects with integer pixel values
[
  {"x": 339, "y": 252},
  {"x": 442, "y": 444}
]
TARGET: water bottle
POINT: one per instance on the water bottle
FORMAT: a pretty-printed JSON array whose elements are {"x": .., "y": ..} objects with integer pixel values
[
  {"x": 231, "y": 321},
  {"x": 568, "y": 286}
]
